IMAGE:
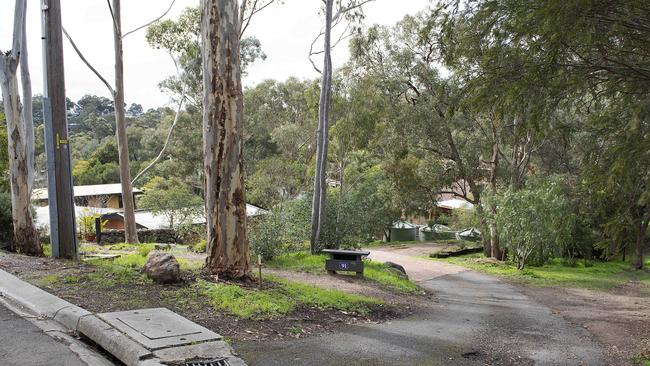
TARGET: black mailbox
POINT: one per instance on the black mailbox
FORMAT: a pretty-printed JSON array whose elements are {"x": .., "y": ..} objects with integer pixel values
[{"x": 345, "y": 261}]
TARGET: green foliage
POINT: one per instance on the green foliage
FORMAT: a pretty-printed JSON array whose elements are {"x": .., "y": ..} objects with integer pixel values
[
  {"x": 275, "y": 180},
  {"x": 199, "y": 247},
  {"x": 181, "y": 39},
  {"x": 591, "y": 275},
  {"x": 380, "y": 273},
  {"x": 315, "y": 296},
  {"x": 6, "y": 221},
  {"x": 265, "y": 235},
  {"x": 145, "y": 249},
  {"x": 355, "y": 216},
  {"x": 119, "y": 271},
  {"x": 282, "y": 298},
  {"x": 86, "y": 222},
  {"x": 374, "y": 271},
  {"x": 102, "y": 166},
  {"x": 171, "y": 199},
  {"x": 535, "y": 224},
  {"x": 247, "y": 304}
]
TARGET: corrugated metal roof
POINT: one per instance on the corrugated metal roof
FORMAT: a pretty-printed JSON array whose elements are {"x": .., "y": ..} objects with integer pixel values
[
  {"x": 86, "y": 191},
  {"x": 144, "y": 218},
  {"x": 455, "y": 203},
  {"x": 42, "y": 219}
]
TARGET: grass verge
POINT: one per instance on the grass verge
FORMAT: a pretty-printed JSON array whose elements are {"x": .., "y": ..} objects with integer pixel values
[
  {"x": 374, "y": 271},
  {"x": 596, "y": 275},
  {"x": 282, "y": 298}
]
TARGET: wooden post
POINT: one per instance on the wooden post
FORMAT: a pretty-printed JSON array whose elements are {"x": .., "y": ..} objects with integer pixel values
[
  {"x": 259, "y": 265},
  {"x": 59, "y": 169}
]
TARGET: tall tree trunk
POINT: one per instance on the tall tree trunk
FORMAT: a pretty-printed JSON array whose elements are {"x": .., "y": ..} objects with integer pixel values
[
  {"x": 495, "y": 250},
  {"x": 130, "y": 229},
  {"x": 225, "y": 205},
  {"x": 28, "y": 114},
  {"x": 320, "y": 188},
  {"x": 640, "y": 242},
  {"x": 21, "y": 148}
]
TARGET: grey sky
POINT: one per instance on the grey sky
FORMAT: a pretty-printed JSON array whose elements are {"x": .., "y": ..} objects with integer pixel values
[{"x": 285, "y": 31}]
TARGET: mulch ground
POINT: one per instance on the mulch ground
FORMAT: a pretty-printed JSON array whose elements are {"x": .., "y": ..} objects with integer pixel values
[{"x": 185, "y": 300}]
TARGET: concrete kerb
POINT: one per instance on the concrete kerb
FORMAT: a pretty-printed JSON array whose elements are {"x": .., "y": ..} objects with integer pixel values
[
  {"x": 45, "y": 305},
  {"x": 42, "y": 304}
]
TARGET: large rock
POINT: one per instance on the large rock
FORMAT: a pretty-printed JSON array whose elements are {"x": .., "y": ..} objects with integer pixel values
[
  {"x": 397, "y": 269},
  {"x": 162, "y": 268}
]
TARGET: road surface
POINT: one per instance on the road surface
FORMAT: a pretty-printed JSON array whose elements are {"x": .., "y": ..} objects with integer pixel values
[
  {"x": 22, "y": 344},
  {"x": 474, "y": 319}
]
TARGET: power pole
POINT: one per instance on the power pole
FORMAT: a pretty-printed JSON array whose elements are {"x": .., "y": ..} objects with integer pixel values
[{"x": 59, "y": 168}]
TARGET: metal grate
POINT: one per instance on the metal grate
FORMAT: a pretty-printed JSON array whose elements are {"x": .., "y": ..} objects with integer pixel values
[{"x": 213, "y": 362}]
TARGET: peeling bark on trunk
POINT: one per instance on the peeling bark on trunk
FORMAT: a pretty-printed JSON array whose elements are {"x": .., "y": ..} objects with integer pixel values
[
  {"x": 21, "y": 148},
  {"x": 225, "y": 205},
  {"x": 130, "y": 229},
  {"x": 322, "y": 139}
]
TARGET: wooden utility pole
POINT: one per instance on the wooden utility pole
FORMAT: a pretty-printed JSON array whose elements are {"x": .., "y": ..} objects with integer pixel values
[{"x": 59, "y": 168}]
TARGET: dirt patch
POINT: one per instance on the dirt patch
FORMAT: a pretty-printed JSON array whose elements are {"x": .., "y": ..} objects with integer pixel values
[
  {"x": 619, "y": 318},
  {"x": 187, "y": 300}
]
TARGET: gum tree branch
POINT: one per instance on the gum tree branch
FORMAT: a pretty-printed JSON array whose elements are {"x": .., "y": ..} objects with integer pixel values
[
  {"x": 151, "y": 22},
  {"x": 85, "y": 61}
]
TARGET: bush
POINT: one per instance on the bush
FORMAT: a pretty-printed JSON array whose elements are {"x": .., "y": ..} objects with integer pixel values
[
  {"x": 6, "y": 225},
  {"x": 265, "y": 235},
  {"x": 535, "y": 224},
  {"x": 190, "y": 233}
]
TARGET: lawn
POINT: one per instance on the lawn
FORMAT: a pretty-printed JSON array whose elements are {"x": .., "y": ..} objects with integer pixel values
[
  {"x": 374, "y": 271},
  {"x": 594, "y": 275}
]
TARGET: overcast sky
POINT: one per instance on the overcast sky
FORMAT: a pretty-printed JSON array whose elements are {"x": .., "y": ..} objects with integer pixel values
[{"x": 285, "y": 31}]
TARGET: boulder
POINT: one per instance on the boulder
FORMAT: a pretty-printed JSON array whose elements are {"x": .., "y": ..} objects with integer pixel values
[
  {"x": 398, "y": 269},
  {"x": 162, "y": 268}
]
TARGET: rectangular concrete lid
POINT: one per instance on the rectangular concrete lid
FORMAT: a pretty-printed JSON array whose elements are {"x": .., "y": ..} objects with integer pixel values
[{"x": 158, "y": 328}]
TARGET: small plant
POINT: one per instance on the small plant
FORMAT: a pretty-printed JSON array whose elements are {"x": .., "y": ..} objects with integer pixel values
[
  {"x": 86, "y": 222},
  {"x": 265, "y": 236},
  {"x": 145, "y": 249},
  {"x": 199, "y": 247}
]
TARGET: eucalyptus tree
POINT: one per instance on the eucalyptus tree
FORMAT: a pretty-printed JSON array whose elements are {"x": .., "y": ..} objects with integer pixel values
[
  {"x": 592, "y": 55},
  {"x": 20, "y": 132},
  {"x": 225, "y": 202},
  {"x": 336, "y": 12}
]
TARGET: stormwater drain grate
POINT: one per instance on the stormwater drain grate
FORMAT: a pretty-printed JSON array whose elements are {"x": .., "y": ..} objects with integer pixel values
[{"x": 214, "y": 362}]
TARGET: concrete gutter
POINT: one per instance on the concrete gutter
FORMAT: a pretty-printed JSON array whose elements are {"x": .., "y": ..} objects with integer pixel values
[{"x": 74, "y": 318}]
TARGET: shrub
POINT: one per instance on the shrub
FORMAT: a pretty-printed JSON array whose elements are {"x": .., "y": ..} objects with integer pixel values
[
  {"x": 6, "y": 226},
  {"x": 535, "y": 224},
  {"x": 265, "y": 235}
]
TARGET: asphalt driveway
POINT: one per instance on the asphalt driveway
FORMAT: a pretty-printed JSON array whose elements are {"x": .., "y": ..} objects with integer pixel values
[{"x": 474, "y": 319}]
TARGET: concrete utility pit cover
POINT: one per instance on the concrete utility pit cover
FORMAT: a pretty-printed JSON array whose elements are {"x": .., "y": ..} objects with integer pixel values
[{"x": 159, "y": 328}]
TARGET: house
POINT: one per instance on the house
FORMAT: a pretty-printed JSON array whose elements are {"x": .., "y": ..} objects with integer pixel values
[
  {"x": 105, "y": 201},
  {"x": 114, "y": 218},
  {"x": 98, "y": 195}
]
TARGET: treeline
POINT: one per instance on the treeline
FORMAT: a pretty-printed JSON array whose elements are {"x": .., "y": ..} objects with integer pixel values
[{"x": 537, "y": 115}]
